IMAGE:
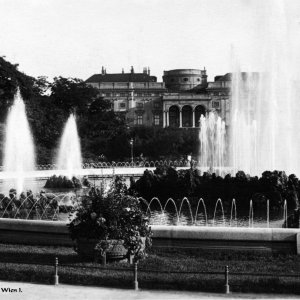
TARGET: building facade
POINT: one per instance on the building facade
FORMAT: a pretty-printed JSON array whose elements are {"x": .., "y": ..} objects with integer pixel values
[
  {"x": 191, "y": 95},
  {"x": 178, "y": 101},
  {"x": 137, "y": 95}
]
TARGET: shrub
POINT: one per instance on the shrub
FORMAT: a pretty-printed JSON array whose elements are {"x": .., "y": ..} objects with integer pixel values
[{"x": 109, "y": 215}]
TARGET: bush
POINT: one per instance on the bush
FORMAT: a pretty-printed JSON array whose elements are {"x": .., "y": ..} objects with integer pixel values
[
  {"x": 111, "y": 215},
  {"x": 166, "y": 182}
]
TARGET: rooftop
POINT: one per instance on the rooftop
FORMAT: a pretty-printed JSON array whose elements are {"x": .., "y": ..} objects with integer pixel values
[{"x": 122, "y": 77}]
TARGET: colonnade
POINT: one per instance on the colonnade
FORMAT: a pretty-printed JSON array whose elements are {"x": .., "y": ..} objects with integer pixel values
[{"x": 166, "y": 115}]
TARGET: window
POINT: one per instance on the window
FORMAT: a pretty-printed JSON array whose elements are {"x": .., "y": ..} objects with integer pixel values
[
  {"x": 156, "y": 119},
  {"x": 139, "y": 105},
  {"x": 122, "y": 105},
  {"x": 215, "y": 104},
  {"x": 156, "y": 105},
  {"x": 107, "y": 94},
  {"x": 198, "y": 79},
  {"x": 140, "y": 120},
  {"x": 122, "y": 94},
  {"x": 185, "y": 79},
  {"x": 140, "y": 94}
]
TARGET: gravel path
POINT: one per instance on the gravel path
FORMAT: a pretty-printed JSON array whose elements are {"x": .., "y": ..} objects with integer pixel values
[{"x": 32, "y": 291}]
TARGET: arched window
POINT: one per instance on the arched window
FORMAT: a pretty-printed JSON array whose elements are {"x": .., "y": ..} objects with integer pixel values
[
  {"x": 199, "y": 110},
  {"x": 187, "y": 116},
  {"x": 174, "y": 116}
]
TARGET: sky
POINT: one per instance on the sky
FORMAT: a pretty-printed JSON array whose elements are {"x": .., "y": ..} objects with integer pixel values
[{"x": 75, "y": 38}]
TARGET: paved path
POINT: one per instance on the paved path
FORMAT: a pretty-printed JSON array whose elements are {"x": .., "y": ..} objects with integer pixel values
[{"x": 31, "y": 291}]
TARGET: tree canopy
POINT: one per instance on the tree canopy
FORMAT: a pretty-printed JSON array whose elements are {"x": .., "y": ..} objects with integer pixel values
[{"x": 72, "y": 94}]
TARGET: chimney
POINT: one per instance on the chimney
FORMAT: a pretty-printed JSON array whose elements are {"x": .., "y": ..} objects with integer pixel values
[
  {"x": 203, "y": 77},
  {"x": 122, "y": 70},
  {"x": 148, "y": 71},
  {"x": 145, "y": 70},
  {"x": 131, "y": 70},
  {"x": 102, "y": 71}
]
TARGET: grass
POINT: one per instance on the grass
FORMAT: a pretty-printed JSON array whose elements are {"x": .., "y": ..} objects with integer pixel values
[{"x": 72, "y": 270}]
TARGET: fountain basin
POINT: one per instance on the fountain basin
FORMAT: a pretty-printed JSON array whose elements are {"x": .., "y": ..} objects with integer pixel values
[
  {"x": 189, "y": 237},
  {"x": 227, "y": 238}
]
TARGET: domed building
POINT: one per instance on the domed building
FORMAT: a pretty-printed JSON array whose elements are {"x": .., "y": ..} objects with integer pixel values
[
  {"x": 180, "y": 80},
  {"x": 190, "y": 96},
  {"x": 178, "y": 101}
]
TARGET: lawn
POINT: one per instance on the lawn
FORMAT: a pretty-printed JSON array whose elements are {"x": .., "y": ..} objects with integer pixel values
[{"x": 163, "y": 269}]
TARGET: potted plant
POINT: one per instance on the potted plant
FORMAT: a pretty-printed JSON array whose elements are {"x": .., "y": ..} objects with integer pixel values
[{"x": 110, "y": 224}]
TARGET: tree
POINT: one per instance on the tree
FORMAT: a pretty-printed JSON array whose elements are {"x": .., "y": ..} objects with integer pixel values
[
  {"x": 41, "y": 85},
  {"x": 46, "y": 121},
  {"x": 72, "y": 94},
  {"x": 103, "y": 131},
  {"x": 11, "y": 79}
]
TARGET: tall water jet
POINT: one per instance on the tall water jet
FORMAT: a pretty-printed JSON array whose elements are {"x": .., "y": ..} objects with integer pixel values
[
  {"x": 19, "y": 154},
  {"x": 265, "y": 106},
  {"x": 212, "y": 141},
  {"x": 69, "y": 159}
]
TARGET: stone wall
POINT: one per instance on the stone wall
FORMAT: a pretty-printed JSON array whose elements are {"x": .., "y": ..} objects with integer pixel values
[{"x": 190, "y": 237}]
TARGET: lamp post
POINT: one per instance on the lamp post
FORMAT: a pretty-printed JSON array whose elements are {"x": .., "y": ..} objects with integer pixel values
[
  {"x": 131, "y": 145},
  {"x": 189, "y": 159}
]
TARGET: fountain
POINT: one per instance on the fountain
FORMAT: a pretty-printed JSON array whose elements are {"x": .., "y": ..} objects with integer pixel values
[
  {"x": 212, "y": 141},
  {"x": 201, "y": 201},
  {"x": 251, "y": 213},
  {"x": 42, "y": 206},
  {"x": 19, "y": 155},
  {"x": 69, "y": 160},
  {"x": 219, "y": 217},
  {"x": 233, "y": 205},
  {"x": 285, "y": 214},
  {"x": 185, "y": 200},
  {"x": 222, "y": 209},
  {"x": 265, "y": 110}
]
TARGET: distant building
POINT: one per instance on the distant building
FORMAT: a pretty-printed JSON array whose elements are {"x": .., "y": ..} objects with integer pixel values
[
  {"x": 138, "y": 95},
  {"x": 181, "y": 80},
  {"x": 178, "y": 101},
  {"x": 190, "y": 96},
  {"x": 219, "y": 91}
]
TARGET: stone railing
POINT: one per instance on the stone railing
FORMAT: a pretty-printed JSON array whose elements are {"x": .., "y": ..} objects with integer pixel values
[{"x": 113, "y": 164}]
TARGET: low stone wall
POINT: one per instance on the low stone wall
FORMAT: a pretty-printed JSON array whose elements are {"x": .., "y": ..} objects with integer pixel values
[
  {"x": 33, "y": 232},
  {"x": 228, "y": 238},
  {"x": 191, "y": 237}
]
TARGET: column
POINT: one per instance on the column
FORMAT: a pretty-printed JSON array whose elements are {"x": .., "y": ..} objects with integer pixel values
[
  {"x": 193, "y": 117},
  {"x": 164, "y": 119},
  {"x": 167, "y": 119},
  {"x": 180, "y": 118}
]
